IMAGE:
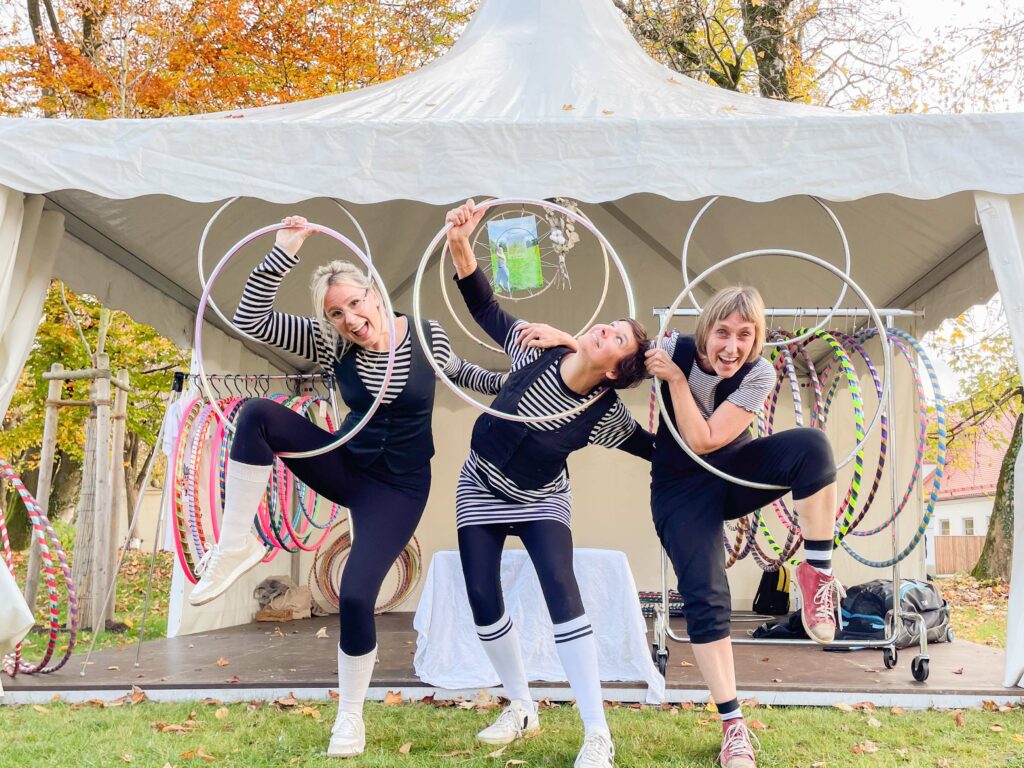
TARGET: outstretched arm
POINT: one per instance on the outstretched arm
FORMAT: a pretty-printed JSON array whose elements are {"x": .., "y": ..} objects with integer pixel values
[
  {"x": 474, "y": 287},
  {"x": 463, "y": 373},
  {"x": 255, "y": 314}
]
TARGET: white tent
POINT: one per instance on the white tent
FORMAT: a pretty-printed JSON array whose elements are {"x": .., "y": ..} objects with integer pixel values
[{"x": 537, "y": 99}]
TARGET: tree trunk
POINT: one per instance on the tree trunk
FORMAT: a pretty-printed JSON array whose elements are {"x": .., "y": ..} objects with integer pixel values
[
  {"x": 67, "y": 486},
  {"x": 997, "y": 553},
  {"x": 763, "y": 23},
  {"x": 85, "y": 526}
]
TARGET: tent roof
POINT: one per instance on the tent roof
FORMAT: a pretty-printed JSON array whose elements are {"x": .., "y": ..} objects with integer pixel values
[{"x": 538, "y": 98}]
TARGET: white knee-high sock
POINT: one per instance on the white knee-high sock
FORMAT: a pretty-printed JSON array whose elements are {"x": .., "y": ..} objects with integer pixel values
[
  {"x": 501, "y": 644},
  {"x": 354, "y": 673},
  {"x": 244, "y": 488},
  {"x": 577, "y": 650}
]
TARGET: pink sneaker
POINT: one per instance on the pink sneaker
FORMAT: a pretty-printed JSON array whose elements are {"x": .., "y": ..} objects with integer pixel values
[
  {"x": 818, "y": 609},
  {"x": 737, "y": 748}
]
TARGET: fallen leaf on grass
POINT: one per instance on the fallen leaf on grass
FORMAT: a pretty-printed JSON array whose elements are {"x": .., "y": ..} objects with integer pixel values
[
  {"x": 960, "y": 719},
  {"x": 392, "y": 698},
  {"x": 874, "y": 722},
  {"x": 127, "y": 758},
  {"x": 428, "y": 699},
  {"x": 514, "y": 762},
  {"x": 200, "y": 753},
  {"x": 997, "y": 728},
  {"x": 843, "y": 707},
  {"x": 332, "y": 694},
  {"x": 942, "y": 763},
  {"x": 496, "y": 753},
  {"x": 40, "y": 709},
  {"x": 321, "y": 634},
  {"x": 456, "y": 753},
  {"x": 209, "y": 701},
  {"x": 404, "y": 749},
  {"x": 310, "y": 712},
  {"x": 756, "y": 725},
  {"x": 1019, "y": 738},
  {"x": 287, "y": 701},
  {"x": 865, "y": 747},
  {"x": 898, "y": 711},
  {"x": 819, "y": 764},
  {"x": 221, "y": 713}
]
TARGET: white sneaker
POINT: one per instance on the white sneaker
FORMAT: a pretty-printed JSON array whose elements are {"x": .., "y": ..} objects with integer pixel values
[
  {"x": 513, "y": 723},
  {"x": 348, "y": 736},
  {"x": 597, "y": 751},
  {"x": 221, "y": 568}
]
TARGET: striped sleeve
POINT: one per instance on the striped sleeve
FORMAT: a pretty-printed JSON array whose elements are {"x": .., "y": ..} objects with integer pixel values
[
  {"x": 255, "y": 315},
  {"x": 756, "y": 386},
  {"x": 614, "y": 427},
  {"x": 463, "y": 373}
]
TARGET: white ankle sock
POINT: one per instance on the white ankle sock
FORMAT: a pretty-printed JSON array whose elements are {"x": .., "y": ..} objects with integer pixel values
[
  {"x": 354, "y": 673},
  {"x": 577, "y": 650},
  {"x": 245, "y": 486},
  {"x": 501, "y": 644}
]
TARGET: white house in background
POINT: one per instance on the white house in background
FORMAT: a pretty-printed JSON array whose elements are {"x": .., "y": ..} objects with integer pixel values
[{"x": 964, "y": 507}]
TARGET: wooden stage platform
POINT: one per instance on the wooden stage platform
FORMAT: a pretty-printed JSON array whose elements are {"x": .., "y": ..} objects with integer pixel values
[{"x": 264, "y": 661}]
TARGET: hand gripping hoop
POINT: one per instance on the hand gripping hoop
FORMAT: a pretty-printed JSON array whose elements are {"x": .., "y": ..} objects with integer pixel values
[
  {"x": 875, "y": 318},
  {"x": 417, "y": 304},
  {"x": 385, "y": 298}
]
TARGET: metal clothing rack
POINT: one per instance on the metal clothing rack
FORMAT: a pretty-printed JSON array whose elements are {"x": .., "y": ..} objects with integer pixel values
[{"x": 894, "y": 619}]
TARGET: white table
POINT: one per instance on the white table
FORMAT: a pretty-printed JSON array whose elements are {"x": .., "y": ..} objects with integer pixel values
[{"x": 449, "y": 653}]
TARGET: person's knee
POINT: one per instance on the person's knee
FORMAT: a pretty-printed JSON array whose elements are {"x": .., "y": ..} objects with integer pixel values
[
  {"x": 254, "y": 415},
  {"x": 354, "y": 605},
  {"x": 485, "y": 603},
  {"x": 816, "y": 452},
  {"x": 563, "y": 598},
  {"x": 707, "y": 619}
]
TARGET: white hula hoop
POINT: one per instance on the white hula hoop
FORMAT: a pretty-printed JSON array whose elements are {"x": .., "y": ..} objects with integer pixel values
[
  {"x": 385, "y": 298},
  {"x": 201, "y": 258},
  {"x": 491, "y": 347},
  {"x": 875, "y": 318},
  {"x": 842, "y": 293},
  {"x": 417, "y": 296}
]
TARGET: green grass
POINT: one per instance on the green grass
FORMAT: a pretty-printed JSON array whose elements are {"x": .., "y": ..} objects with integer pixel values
[
  {"x": 131, "y": 592},
  {"x": 254, "y": 735}
]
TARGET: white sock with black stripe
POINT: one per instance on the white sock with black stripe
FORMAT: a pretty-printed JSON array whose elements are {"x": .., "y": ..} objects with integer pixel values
[
  {"x": 577, "y": 650},
  {"x": 501, "y": 644}
]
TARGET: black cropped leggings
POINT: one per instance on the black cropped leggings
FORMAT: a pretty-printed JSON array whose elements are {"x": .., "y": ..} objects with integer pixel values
[
  {"x": 549, "y": 544},
  {"x": 690, "y": 512},
  {"x": 383, "y": 510}
]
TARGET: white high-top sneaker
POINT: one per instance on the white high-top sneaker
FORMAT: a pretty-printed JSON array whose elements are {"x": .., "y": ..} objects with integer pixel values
[
  {"x": 348, "y": 736},
  {"x": 597, "y": 751},
  {"x": 513, "y": 723},
  {"x": 220, "y": 568}
]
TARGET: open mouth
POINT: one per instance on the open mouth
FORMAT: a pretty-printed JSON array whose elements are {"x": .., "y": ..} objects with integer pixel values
[{"x": 362, "y": 332}]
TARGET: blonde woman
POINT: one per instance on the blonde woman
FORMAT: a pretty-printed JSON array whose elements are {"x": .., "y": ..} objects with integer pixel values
[
  {"x": 382, "y": 475},
  {"x": 714, "y": 382}
]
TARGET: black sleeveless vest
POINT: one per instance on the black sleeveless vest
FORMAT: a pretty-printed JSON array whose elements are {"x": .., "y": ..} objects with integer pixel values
[
  {"x": 400, "y": 431},
  {"x": 669, "y": 460},
  {"x": 528, "y": 457}
]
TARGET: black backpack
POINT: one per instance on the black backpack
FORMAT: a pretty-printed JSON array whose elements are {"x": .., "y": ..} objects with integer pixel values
[{"x": 772, "y": 597}]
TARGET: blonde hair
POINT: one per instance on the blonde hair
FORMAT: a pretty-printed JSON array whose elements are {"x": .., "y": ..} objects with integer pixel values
[
  {"x": 737, "y": 298},
  {"x": 336, "y": 273}
]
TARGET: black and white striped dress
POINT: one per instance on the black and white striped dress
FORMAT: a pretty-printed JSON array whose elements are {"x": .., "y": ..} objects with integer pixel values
[
  {"x": 484, "y": 495},
  {"x": 749, "y": 395},
  {"x": 305, "y": 338}
]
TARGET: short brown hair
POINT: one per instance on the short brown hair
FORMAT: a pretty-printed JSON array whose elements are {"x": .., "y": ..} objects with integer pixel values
[
  {"x": 632, "y": 369},
  {"x": 737, "y": 298}
]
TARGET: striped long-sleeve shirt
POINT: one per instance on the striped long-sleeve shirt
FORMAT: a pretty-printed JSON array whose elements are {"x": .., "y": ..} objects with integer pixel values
[{"x": 304, "y": 337}]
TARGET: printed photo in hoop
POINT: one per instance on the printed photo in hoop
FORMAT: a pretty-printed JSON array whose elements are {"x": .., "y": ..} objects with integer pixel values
[{"x": 515, "y": 254}]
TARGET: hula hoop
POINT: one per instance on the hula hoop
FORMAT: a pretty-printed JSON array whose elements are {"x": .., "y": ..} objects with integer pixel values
[
  {"x": 385, "y": 298},
  {"x": 846, "y": 272},
  {"x": 202, "y": 257},
  {"x": 491, "y": 347},
  {"x": 417, "y": 296},
  {"x": 688, "y": 289}
]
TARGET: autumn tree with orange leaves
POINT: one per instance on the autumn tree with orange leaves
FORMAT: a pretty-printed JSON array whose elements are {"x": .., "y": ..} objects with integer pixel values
[{"x": 153, "y": 58}]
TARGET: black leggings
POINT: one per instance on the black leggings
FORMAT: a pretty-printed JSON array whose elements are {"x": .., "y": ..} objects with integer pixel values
[
  {"x": 383, "y": 510},
  {"x": 549, "y": 544},
  {"x": 689, "y": 514}
]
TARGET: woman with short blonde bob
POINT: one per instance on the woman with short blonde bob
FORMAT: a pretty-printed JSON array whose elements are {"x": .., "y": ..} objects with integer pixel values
[
  {"x": 714, "y": 383},
  {"x": 382, "y": 475}
]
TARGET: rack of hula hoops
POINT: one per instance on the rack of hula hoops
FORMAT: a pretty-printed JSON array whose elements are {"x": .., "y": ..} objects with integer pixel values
[
  {"x": 843, "y": 348},
  {"x": 292, "y": 518}
]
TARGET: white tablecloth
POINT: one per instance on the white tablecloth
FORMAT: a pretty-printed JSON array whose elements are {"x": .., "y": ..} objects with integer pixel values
[{"x": 449, "y": 653}]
